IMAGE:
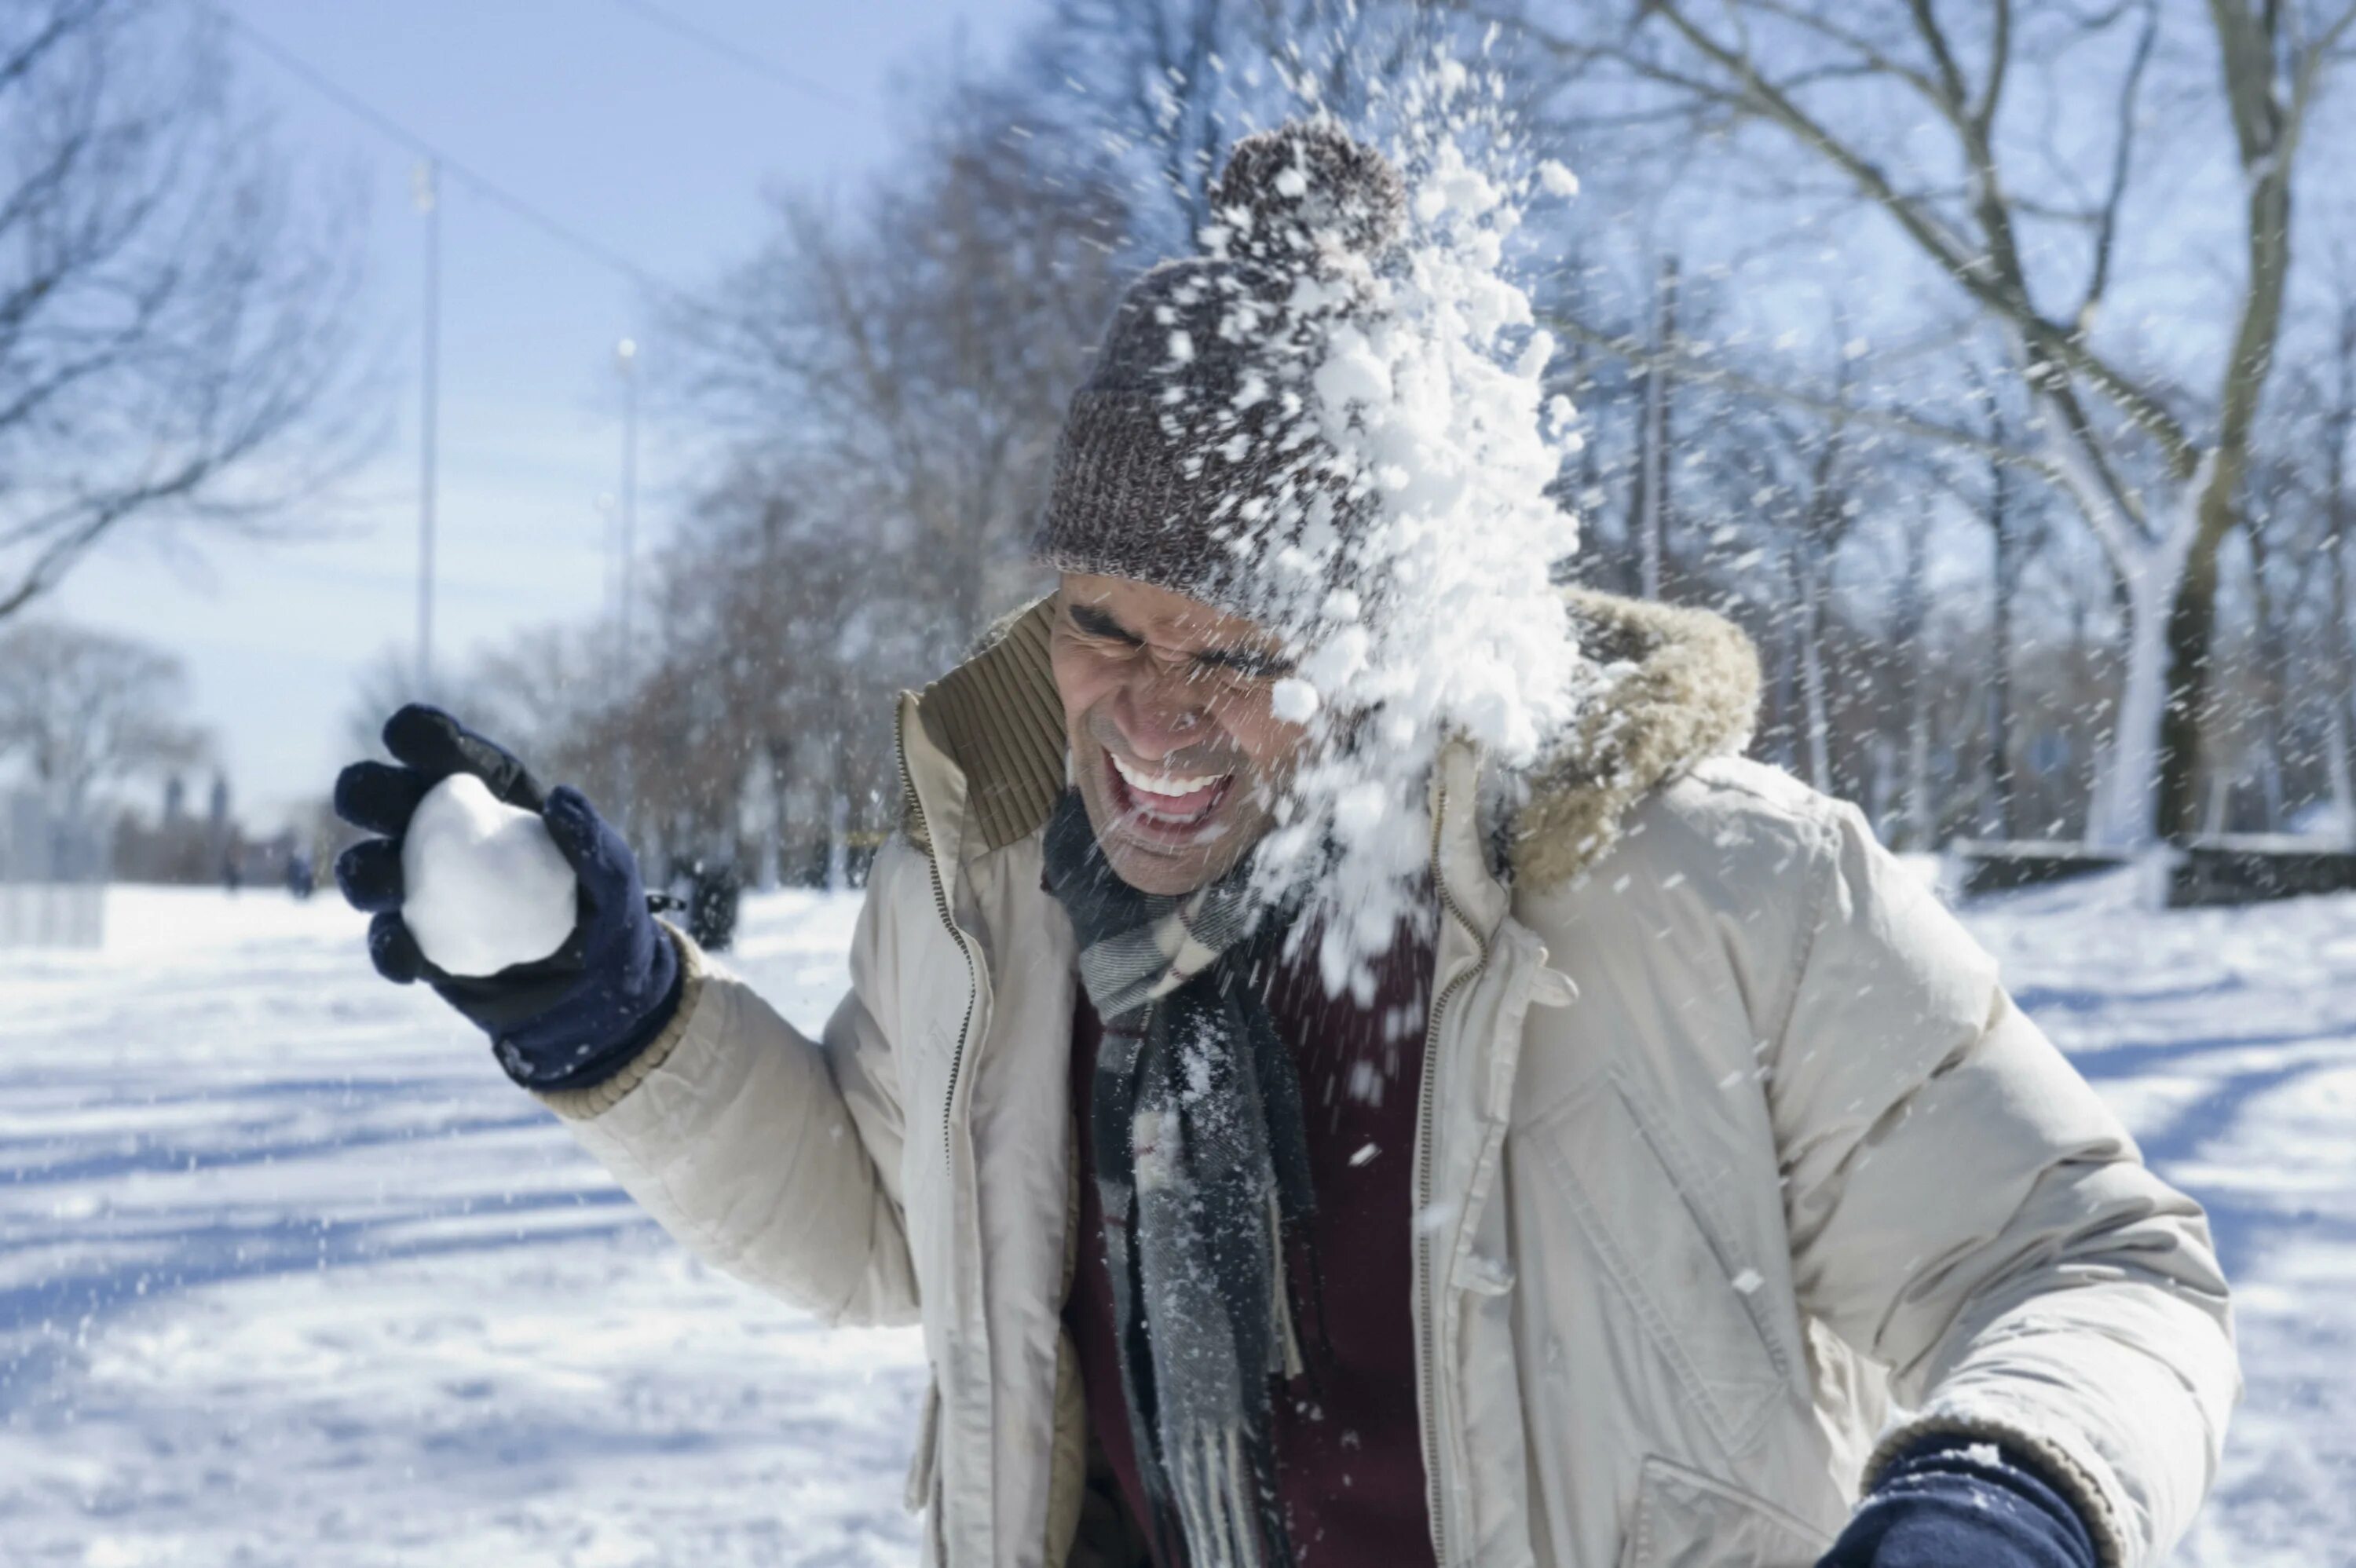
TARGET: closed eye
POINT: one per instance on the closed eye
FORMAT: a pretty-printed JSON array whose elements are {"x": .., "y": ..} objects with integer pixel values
[
  {"x": 1244, "y": 662},
  {"x": 1089, "y": 621}
]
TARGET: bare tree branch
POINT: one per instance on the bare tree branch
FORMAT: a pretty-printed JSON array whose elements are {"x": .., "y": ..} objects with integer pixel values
[
  {"x": 174, "y": 345},
  {"x": 1991, "y": 272},
  {"x": 1702, "y": 370},
  {"x": 2122, "y": 166}
]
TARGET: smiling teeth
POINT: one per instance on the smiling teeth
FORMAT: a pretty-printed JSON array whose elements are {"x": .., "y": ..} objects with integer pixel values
[{"x": 1151, "y": 784}]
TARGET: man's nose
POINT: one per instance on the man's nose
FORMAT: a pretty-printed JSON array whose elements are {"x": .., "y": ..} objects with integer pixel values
[{"x": 1160, "y": 711}]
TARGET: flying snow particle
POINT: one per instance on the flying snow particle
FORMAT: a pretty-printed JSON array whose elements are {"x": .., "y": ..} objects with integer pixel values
[
  {"x": 1293, "y": 700},
  {"x": 485, "y": 886},
  {"x": 1748, "y": 1281},
  {"x": 1558, "y": 180}
]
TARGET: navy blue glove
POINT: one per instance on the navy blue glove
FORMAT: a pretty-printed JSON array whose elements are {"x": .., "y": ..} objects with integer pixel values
[
  {"x": 566, "y": 1021},
  {"x": 1949, "y": 1502}
]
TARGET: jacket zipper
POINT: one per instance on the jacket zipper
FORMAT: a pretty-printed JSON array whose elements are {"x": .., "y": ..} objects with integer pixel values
[
  {"x": 949, "y": 925},
  {"x": 938, "y": 1526},
  {"x": 1433, "y": 1498}
]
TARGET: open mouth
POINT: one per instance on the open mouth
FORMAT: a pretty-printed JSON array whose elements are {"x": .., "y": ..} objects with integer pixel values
[{"x": 1164, "y": 804}]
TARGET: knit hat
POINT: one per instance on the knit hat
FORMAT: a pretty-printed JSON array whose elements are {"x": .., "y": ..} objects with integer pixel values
[{"x": 1194, "y": 448}]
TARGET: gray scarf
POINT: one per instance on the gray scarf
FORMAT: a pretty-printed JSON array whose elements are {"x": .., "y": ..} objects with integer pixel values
[{"x": 1202, "y": 1165}]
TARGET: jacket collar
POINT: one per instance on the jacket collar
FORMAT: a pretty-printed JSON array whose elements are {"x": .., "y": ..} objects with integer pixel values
[{"x": 1675, "y": 686}]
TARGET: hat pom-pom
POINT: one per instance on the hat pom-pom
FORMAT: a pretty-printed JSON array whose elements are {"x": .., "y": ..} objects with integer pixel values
[{"x": 1305, "y": 187}]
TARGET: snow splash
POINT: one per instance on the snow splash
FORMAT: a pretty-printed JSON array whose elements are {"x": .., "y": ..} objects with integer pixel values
[{"x": 1391, "y": 453}]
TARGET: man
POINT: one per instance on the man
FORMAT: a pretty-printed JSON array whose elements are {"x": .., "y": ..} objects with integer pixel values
[{"x": 1684, "y": 1179}]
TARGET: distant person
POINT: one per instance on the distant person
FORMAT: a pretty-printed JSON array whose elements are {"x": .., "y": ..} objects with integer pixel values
[
  {"x": 1703, "y": 1202},
  {"x": 232, "y": 875},
  {"x": 301, "y": 879}
]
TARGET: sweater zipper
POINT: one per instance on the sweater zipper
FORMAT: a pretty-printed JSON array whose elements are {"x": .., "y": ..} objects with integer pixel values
[
  {"x": 1434, "y": 1500},
  {"x": 949, "y": 925}
]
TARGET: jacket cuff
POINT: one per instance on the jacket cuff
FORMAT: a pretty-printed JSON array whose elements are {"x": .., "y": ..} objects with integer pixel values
[
  {"x": 581, "y": 1104},
  {"x": 2077, "y": 1482}
]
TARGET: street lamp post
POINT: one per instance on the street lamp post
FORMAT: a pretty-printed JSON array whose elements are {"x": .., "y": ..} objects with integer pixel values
[
  {"x": 625, "y": 359},
  {"x": 424, "y": 181}
]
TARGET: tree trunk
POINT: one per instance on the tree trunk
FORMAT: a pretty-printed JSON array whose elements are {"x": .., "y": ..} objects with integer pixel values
[
  {"x": 2192, "y": 624},
  {"x": 1652, "y": 516},
  {"x": 1787, "y": 690},
  {"x": 2215, "y": 484},
  {"x": 2342, "y": 646},
  {"x": 1999, "y": 813},
  {"x": 2275, "y": 677},
  {"x": 2342, "y": 651},
  {"x": 2133, "y": 780},
  {"x": 838, "y": 827},
  {"x": 1921, "y": 817},
  {"x": 1812, "y": 672}
]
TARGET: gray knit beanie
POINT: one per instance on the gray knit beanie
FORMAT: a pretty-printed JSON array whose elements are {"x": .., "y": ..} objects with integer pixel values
[{"x": 1194, "y": 449}]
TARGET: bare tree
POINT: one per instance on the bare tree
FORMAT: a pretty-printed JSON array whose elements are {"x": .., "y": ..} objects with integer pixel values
[
  {"x": 172, "y": 337},
  {"x": 900, "y": 369},
  {"x": 1163, "y": 85},
  {"x": 81, "y": 710},
  {"x": 2030, "y": 226}
]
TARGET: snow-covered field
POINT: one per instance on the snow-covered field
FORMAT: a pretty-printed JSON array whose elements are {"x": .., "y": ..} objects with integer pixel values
[{"x": 289, "y": 1273}]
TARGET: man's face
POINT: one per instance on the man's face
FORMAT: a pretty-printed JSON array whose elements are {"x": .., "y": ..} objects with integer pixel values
[{"x": 1168, "y": 705}]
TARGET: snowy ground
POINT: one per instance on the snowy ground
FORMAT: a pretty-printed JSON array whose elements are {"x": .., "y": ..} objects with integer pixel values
[{"x": 288, "y": 1273}]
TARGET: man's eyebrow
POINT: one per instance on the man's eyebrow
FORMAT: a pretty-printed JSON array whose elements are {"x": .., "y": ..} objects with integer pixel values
[
  {"x": 1097, "y": 623},
  {"x": 1250, "y": 661}
]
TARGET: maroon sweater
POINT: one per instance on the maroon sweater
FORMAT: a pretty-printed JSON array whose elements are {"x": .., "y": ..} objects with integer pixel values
[{"x": 1349, "y": 1455}]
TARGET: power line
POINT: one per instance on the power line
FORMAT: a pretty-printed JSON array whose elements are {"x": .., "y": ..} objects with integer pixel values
[
  {"x": 743, "y": 59},
  {"x": 554, "y": 228}
]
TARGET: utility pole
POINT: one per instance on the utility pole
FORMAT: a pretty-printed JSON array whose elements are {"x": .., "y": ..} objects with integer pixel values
[
  {"x": 626, "y": 359},
  {"x": 424, "y": 181}
]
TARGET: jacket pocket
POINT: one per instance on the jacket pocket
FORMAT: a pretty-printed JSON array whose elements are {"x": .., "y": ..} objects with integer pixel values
[
  {"x": 1687, "y": 1520},
  {"x": 1684, "y": 1278}
]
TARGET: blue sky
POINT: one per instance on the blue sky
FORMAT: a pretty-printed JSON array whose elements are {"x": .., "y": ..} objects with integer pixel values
[{"x": 651, "y": 145}]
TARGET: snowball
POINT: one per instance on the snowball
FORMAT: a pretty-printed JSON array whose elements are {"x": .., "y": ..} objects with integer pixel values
[
  {"x": 1294, "y": 700},
  {"x": 485, "y": 886},
  {"x": 1414, "y": 410},
  {"x": 1353, "y": 372}
]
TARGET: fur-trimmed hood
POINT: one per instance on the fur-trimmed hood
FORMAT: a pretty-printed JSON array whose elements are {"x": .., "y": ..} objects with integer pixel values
[{"x": 1674, "y": 686}]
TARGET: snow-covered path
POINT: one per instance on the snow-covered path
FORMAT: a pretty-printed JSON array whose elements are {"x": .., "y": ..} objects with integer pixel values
[
  {"x": 2226, "y": 1038},
  {"x": 289, "y": 1275}
]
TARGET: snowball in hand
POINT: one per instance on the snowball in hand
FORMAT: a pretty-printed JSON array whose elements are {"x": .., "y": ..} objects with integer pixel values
[{"x": 485, "y": 884}]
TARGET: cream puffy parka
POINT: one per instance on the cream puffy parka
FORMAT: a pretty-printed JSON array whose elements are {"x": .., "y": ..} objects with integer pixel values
[{"x": 1735, "y": 1166}]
